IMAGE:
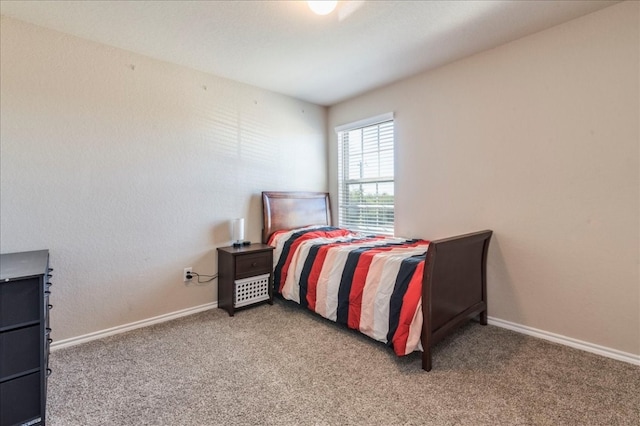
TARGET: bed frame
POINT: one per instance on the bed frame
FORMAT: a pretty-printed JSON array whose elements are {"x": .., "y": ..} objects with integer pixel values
[{"x": 454, "y": 286}]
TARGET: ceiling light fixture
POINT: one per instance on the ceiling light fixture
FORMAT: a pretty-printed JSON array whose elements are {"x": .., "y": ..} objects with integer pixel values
[{"x": 322, "y": 7}]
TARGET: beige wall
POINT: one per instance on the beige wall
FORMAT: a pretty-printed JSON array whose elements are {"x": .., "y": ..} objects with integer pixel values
[
  {"x": 539, "y": 141},
  {"x": 129, "y": 169}
]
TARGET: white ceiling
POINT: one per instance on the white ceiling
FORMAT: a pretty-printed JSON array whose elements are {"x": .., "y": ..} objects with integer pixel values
[{"x": 282, "y": 46}]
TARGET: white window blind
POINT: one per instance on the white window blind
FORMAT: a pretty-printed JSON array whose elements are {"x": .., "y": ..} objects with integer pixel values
[{"x": 366, "y": 175}]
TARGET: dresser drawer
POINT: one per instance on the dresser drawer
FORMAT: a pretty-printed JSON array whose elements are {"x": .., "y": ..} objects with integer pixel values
[
  {"x": 20, "y": 400},
  {"x": 19, "y": 350},
  {"x": 19, "y": 302},
  {"x": 253, "y": 264}
]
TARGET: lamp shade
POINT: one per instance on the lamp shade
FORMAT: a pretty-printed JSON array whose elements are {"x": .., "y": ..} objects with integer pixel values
[{"x": 237, "y": 230}]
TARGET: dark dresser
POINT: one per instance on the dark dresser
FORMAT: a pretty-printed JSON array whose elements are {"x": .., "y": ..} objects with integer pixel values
[{"x": 24, "y": 337}]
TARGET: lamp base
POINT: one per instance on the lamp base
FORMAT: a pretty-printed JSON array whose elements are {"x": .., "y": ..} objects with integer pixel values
[{"x": 241, "y": 243}]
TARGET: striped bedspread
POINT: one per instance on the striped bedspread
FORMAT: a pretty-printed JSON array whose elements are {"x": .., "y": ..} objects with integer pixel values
[{"x": 369, "y": 283}]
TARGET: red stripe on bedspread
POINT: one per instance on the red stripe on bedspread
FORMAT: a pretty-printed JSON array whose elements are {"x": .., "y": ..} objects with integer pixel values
[
  {"x": 314, "y": 275},
  {"x": 357, "y": 286},
  {"x": 275, "y": 235},
  {"x": 412, "y": 298}
]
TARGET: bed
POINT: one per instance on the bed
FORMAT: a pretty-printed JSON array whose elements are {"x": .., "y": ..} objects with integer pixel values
[{"x": 446, "y": 276}]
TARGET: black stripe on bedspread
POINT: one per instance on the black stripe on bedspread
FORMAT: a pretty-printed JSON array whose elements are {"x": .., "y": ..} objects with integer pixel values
[
  {"x": 344, "y": 291},
  {"x": 306, "y": 270},
  {"x": 407, "y": 269},
  {"x": 277, "y": 273}
]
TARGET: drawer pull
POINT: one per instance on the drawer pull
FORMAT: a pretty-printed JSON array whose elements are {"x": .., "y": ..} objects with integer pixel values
[
  {"x": 47, "y": 292},
  {"x": 49, "y": 340},
  {"x": 254, "y": 264},
  {"x": 50, "y": 269},
  {"x": 48, "y": 372},
  {"x": 48, "y": 329},
  {"x": 50, "y": 306},
  {"x": 49, "y": 275}
]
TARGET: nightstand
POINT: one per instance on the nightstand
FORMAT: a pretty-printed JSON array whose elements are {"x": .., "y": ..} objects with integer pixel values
[{"x": 244, "y": 276}]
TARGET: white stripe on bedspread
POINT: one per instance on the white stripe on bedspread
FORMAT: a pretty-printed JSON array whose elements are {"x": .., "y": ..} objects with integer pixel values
[{"x": 291, "y": 287}]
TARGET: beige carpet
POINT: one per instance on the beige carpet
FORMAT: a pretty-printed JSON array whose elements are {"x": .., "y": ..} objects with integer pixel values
[{"x": 280, "y": 365}]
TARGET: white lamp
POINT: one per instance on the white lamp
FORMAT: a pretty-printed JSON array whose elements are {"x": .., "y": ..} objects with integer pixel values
[
  {"x": 237, "y": 231},
  {"x": 322, "y": 7}
]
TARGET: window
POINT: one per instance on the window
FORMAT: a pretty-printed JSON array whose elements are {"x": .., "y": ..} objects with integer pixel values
[{"x": 366, "y": 175}]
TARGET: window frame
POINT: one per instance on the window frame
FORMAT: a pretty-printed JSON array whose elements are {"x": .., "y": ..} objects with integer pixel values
[{"x": 366, "y": 225}]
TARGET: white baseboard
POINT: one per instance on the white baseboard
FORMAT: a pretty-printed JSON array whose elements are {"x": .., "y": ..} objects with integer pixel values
[
  {"x": 567, "y": 341},
  {"x": 59, "y": 344}
]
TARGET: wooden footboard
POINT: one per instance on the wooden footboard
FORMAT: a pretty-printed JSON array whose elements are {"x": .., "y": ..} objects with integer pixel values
[{"x": 454, "y": 287}]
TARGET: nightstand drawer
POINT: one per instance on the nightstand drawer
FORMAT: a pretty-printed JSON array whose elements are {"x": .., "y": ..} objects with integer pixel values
[{"x": 253, "y": 264}]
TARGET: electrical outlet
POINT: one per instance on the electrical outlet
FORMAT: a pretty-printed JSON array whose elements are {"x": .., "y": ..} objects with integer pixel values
[{"x": 187, "y": 274}]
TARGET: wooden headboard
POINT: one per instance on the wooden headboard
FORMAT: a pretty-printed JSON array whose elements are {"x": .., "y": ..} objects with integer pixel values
[{"x": 287, "y": 210}]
